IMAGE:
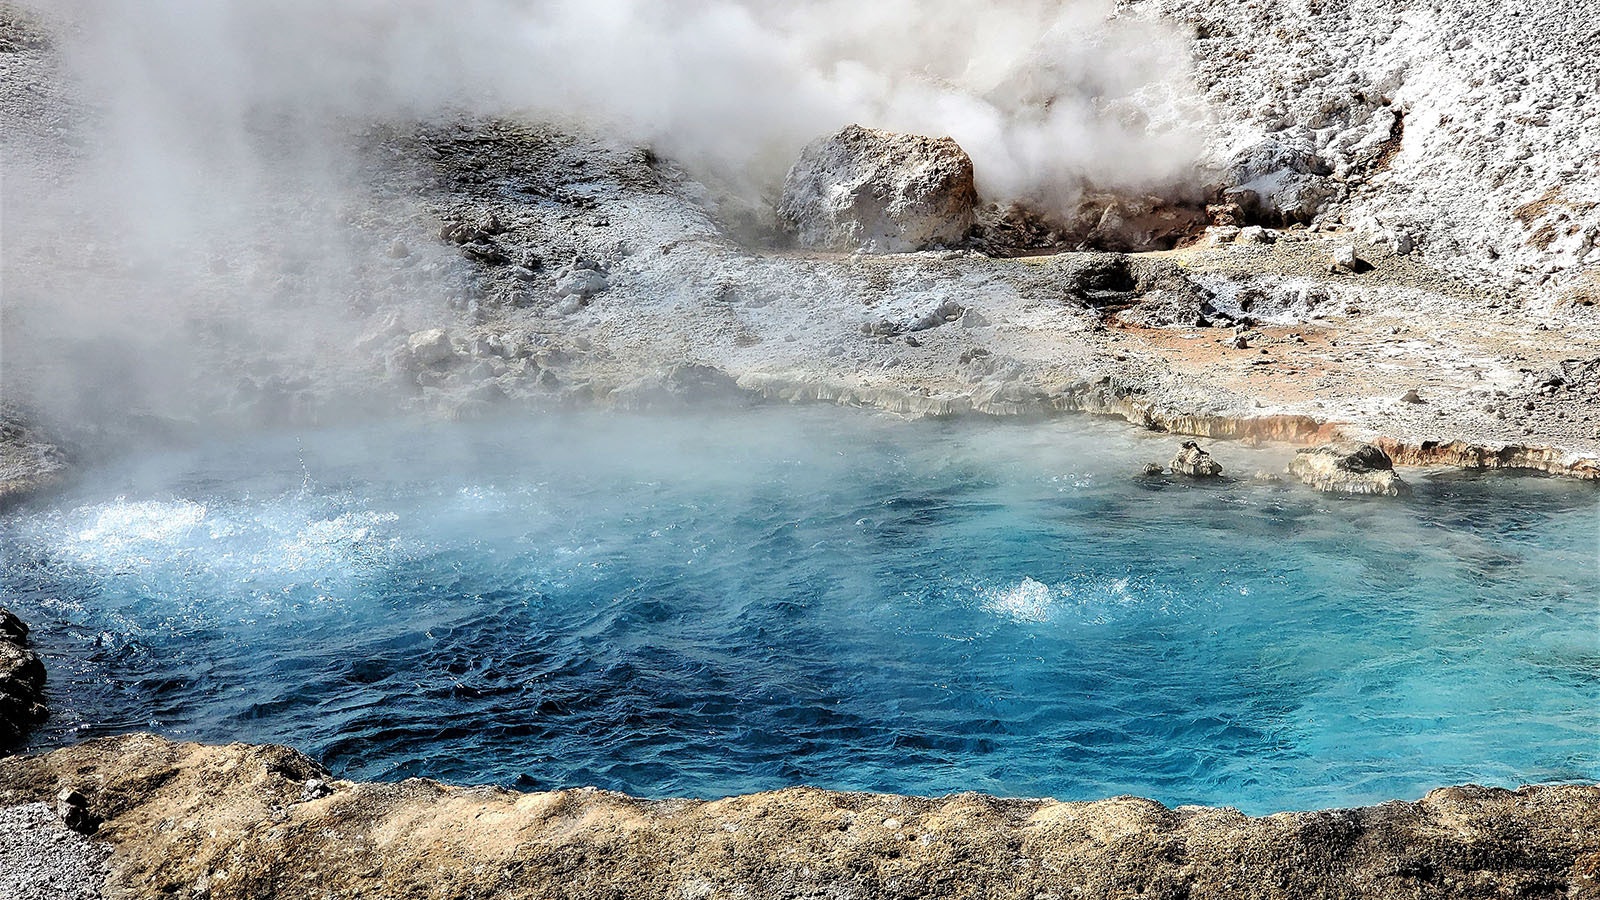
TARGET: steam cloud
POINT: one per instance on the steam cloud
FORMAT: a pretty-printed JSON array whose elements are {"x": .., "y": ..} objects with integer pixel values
[
  {"x": 201, "y": 111},
  {"x": 1043, "y": 94}
]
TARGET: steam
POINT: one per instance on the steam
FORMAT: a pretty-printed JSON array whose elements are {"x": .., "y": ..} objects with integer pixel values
[
  {"x": 214, "y": 188},
  {"x": 1044, "y": 94}
]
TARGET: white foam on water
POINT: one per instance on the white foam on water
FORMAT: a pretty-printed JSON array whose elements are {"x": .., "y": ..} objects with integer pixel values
[
  {"x": 1026, "y": 601},
  {"x": 1095, "y": 599},
  {"x": 123, "y": 534},
  {"x": 349, "y": 540}
]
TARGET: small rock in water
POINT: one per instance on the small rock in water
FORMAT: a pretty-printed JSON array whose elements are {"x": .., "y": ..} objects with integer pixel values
[
  {"x": 582, "y": 278},
  {"x": 1348, "y": 468},
  {"x": 1345, "y": 260},
  {"x": 1153, "y": 470},
  {"x": 1194, "y": 462}
]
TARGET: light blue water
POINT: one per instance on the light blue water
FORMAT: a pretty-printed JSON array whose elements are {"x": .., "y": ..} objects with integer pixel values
[{"x": 712, "y": 606}]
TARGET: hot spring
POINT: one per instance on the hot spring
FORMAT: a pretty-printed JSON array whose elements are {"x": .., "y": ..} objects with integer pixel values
[{"x": 684, "y": 606}]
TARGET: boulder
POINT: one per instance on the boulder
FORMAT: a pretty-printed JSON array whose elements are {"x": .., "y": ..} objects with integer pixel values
[
  {"x": 1277, "y": 180},
  {"x": 1348, "y": 468},
  {"x": 879, "y": 192},
  {"x": 21, "y": 682},
  {"x": 430, "y": 347},
  {"x": 581, "y": 280},
  {"x": 1194, "y": 462}
]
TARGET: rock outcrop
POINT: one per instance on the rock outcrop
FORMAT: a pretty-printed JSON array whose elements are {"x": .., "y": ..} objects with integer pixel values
[
  {"x": 1194, "y": 462},
  {"x": 28, "y": 462},
  {"x": 1348, "y": 468},
  {"x": 880, "y": 192},
  {"x": 21, "y": 682},
  {"x": 1276, "y": 182},
  {"x": 244, "y": 821}
]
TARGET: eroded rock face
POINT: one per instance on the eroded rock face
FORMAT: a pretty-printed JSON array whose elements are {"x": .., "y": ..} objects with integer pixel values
[
  {"x": 1348, "y": 468},
  {"x": 879, "y": 192},
  {"x": 240, "y": 822},
  {"x": 21, "y": 682}
]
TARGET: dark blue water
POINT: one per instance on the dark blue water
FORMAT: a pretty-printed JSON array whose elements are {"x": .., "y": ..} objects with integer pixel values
[{"x": 712, "y": 606}]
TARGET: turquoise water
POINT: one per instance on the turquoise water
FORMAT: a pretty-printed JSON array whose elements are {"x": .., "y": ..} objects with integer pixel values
[{"x": 708, "y": 606}]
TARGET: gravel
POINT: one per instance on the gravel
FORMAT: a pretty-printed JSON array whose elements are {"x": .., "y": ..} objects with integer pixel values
[{"x": 40, "y": 859}]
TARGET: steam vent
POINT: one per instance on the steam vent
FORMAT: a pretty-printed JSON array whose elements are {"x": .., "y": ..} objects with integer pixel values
[
  {"x": 879, "y": 192},
  {"x": 538, "y": 450}
]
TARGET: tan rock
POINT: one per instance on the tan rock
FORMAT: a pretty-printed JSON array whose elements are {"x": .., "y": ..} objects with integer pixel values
[
  {"x": 1348, "y": 468},
  {"x": 1194, "y": 462},
  {"x": 236, "y": 820}
]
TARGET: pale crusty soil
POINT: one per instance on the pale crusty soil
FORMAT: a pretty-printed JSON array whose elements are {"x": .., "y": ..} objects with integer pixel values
[{"x": 239, "y": 822}]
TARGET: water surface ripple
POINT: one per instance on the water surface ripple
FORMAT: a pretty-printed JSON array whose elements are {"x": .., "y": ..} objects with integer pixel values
[{"x": 700, "y": 607}]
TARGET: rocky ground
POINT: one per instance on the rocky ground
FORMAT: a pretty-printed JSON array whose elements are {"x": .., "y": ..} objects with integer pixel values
[
  {"x": 244, "y": 821},
  {"x": 497, "y": 264},
  {"x": 1399, "y": 243}
]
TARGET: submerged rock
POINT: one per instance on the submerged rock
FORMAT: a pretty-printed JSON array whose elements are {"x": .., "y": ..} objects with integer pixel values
[
  {"x": 1195, "y": 463},
  {"x": 948, "y": 311},
  {"x": 1348, "y": 468},
  {"x": 879, "y": 192},
  {"x": 21, "y": 682}
]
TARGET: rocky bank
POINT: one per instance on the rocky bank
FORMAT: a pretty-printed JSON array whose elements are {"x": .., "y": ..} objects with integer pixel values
[
  {"x": 247, "y": 822},
  {"x": 22, "y": 677},
  {"x": 1372, "y": 269},
  {"x": 1397, "y": 243}
]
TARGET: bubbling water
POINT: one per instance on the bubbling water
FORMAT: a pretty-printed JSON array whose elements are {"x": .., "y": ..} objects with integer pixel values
[{"x": 713, "y": 606}]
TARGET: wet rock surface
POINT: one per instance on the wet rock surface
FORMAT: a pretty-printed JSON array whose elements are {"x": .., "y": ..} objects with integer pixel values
[
  {"x": 22, "y": 679},
  {"x": 1348, "y": 468},
  {"x": 1194, "y": 462},
  {"x": 238, "y": 821},
  {"x": 880, "y": 192}
]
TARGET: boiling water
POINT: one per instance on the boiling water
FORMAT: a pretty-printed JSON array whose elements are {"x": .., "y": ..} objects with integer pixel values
[{"x": 707, "y": 606}]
